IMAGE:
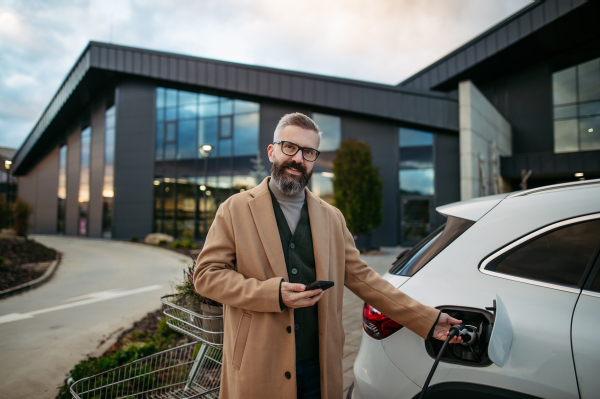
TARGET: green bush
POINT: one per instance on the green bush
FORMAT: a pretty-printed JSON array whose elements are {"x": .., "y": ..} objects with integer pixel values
[
  {"x": 177, "y": 244},
  {"x": 357, "y": 187},
  {"x": 22, "y": 210},
  {"x": 134, "y": 239},
  {"x": 162, "y": 242}
]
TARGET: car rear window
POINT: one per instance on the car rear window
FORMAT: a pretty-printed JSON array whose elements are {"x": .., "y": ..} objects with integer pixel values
[{"x": 430, "y": 246}]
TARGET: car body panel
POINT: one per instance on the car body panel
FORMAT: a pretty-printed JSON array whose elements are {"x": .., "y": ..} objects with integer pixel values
[
  {"x": 502, "y": 335},
  {"x": 540, "y": 360},
  {"x": 472, "y": 209},
  {"x": 586, "y": 343}
]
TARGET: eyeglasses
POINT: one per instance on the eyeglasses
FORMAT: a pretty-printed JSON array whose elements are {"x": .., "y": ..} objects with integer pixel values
[{"x": 290, "y": 149}]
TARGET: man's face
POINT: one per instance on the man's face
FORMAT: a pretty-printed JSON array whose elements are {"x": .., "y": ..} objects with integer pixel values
[{"x": 292, "y": 171}]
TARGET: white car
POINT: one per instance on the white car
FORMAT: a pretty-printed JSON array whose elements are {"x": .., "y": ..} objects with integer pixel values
[{"x": 530, "y": 258}]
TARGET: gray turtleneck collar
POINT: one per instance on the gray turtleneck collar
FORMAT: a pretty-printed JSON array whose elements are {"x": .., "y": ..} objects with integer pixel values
[{"x": 291, "y": 205}]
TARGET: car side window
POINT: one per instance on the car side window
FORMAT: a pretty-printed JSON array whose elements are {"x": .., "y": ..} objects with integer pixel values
[
  {"x": 559, "y": 256},
  {"x": 596, "y": 284}
]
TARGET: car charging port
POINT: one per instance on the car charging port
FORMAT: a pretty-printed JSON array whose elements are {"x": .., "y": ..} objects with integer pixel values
[{"x": 476, "y": 331}]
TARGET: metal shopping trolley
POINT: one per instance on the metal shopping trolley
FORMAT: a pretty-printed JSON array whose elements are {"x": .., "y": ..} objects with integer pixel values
[{"x": 189, "y": 371}]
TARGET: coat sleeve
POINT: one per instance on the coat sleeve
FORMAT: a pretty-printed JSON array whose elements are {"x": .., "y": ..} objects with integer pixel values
[
  {"x": 216, "y": 277},
  {"x": 379, "y": 293}
]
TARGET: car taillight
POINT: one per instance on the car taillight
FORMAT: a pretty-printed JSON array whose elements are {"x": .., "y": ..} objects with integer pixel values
[{"x": 378, "y": 325}]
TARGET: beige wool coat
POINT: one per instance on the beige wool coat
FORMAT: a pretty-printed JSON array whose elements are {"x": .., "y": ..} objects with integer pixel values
[{"x": 241, "y": 266}]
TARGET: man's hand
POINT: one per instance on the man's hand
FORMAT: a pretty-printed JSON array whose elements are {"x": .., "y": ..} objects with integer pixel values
[
  {"x": 294, "y": 295},
  {"x": 442, "y": 328}
]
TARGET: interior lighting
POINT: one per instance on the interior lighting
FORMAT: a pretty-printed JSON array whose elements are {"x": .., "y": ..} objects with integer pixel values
[
  {"x": 327, "y": 174},
  {"x": 590, "y": 130},
  {"x": 108, "y": 194},
  {"x": 156, "y": 182},
  {"x": 208, "y": 193},
  {"x": 202, "y": 187},
  {"x": 7, "y": 164},
  {"x": 579, "y": 174},
  {"x": 207, "y": 147}
]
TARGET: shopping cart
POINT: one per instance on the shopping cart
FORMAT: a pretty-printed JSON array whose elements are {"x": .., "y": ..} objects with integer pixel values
[{"x": 189, "y": 371}]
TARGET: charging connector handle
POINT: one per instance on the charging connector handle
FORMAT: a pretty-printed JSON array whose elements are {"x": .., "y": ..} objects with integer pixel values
[{"x": 454, "y": 331}]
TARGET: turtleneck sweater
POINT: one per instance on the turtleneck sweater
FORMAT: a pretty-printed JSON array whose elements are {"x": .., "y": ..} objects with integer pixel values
[{"x": 291, "y": 205}]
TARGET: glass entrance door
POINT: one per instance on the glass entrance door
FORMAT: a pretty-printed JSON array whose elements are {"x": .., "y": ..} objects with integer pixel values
[{"x": 415, "y": 219}]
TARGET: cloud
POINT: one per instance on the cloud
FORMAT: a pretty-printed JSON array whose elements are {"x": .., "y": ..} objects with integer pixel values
[{"x": 379, "y": 41}]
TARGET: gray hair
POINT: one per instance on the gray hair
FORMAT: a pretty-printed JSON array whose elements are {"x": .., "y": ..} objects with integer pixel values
[{"x": 296, "y": 119}]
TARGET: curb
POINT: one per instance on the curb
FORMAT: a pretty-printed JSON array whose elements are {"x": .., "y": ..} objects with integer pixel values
[{"x": 33, "y": 283}]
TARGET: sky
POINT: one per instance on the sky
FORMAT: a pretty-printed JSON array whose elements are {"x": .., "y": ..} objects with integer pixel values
[{"x": 382, "y": 41}]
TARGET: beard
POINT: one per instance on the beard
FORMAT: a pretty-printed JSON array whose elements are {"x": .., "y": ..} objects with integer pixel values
[{"x": 288, "y": 183}]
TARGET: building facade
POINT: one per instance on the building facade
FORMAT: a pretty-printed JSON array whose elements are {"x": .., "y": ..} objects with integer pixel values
[{"x": 138, "y": 141}]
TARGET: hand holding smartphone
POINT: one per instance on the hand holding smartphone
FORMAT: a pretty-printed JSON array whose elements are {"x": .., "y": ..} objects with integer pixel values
[{"x": 324, "y": 285}]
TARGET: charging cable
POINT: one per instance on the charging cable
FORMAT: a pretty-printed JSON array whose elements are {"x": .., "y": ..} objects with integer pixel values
[{"x": 454, "y": 331}]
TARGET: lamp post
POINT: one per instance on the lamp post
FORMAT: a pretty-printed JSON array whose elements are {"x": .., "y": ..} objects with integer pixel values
[
  {"x": 7, "y": 164},
  {"x": 205, "y": 150}
]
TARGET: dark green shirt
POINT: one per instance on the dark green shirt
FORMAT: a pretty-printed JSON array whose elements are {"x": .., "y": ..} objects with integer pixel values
[{"x": 300, "y": 263}]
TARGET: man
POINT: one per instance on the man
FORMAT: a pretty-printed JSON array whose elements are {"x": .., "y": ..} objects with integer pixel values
[{"x": 264, "y": 246}]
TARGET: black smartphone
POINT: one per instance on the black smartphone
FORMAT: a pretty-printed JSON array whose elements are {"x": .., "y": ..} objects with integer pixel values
[{"x": 319, "y": 284}]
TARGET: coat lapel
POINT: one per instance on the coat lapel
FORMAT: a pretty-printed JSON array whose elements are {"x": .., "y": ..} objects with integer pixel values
[{"x": 261, "y": 207}]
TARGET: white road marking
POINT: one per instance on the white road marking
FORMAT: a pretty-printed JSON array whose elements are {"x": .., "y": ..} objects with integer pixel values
[{"x": 92, "y": 298}]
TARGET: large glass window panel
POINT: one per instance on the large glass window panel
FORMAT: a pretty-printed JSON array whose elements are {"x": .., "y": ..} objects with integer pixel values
[
  {"x": 225, "y": 127},
  {"x": 207, "y": 98},
  {"x": 170, "y": 151},
  {"x": 243, "y": 182},
  {"x": 416, "y": 181},
  {"x": 416, "y": 158},
  {"x": 225, "y": 149},
  {"x": 322, "y": 186},
  {"x": 565, "y": 136},
  {"x": 588, "y": 79},
  {"x": 331, "y": 126},
  {"x": 564, "y": 88},
  {"x": 160, "y": 97},
  {"x": 589, "y": 109},
  {"x": 171, "y": 98},
  {"x": 170, "y": 132},
  {"x": 84, "y": 180},
  {"x": 208, "y": 110},
  {"x": 160, "y": 114},
  {"x": 242, "y": 106},
  {"x": 62, "y": 172},
  {"x": 188, "y": 111},
  {"x": 415, "y": 219},
  {"x": 208, "y": 131},
  {"x": 187, "y": 98},
  {"x": 160, "y": 127},
  {"x": 171, "y": 114},
  {"x": 414, "y": 138},
  {"x": 245, "y": 136},
  {"x": 186, "y": 139},
  {"x": 589, "y": 133},
  {"x": 566, "y": 111},
  {"x": 226, "y": 106}
]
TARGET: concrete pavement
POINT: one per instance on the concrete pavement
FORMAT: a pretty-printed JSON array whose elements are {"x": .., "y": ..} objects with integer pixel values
[
  {"x": 100, "y": 287},
  {"x": 352, "y": 313}
]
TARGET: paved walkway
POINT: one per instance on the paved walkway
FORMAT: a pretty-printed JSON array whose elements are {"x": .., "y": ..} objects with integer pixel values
[
  {"x": 352, "y": 313},
  {"x": 101, "y": 286}
]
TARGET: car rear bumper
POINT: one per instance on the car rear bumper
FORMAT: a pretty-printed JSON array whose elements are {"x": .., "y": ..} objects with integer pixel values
[{"x": 376, "y": 377}]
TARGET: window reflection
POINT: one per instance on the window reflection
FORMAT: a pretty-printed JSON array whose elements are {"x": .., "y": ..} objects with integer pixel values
[
  {"x": 576, "y": 95},
  {"x": 189, "y": 187},
  {"x": 331, "y": 126},
  {"x": 322, "y": 186}
]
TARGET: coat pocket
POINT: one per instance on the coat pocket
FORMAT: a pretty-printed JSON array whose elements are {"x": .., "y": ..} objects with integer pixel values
[{"x": 240, "y": 339}]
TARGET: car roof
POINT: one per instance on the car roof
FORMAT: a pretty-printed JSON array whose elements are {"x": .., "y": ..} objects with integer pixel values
[{"x": 474, "y": 209}]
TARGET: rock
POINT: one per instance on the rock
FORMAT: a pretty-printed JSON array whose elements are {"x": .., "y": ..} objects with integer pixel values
[
  {"x": 156, "y": 238},
  {"x": 7, "y": 233}
]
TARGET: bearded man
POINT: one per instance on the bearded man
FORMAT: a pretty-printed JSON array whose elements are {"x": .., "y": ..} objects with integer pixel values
[{"x": 264, "y": 246}]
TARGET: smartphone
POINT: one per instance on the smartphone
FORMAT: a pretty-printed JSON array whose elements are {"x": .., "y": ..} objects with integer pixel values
[{"x": 319, "y": 284}]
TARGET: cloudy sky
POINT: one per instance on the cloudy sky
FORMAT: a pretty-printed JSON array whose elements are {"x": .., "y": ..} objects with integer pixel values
[{"x": 382, "y": 41}]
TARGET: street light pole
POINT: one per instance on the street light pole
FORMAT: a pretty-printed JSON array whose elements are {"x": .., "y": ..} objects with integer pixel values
[
  {"x": 7, "y": 164},
  {"x": 205, "y": 150}
]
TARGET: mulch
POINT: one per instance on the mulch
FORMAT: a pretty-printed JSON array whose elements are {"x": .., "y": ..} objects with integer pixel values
[{"x": 24, "y": 261}]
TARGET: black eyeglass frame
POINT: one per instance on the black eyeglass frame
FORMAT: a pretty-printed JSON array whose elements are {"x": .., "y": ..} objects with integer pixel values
[{"x": 299, "y": 148}]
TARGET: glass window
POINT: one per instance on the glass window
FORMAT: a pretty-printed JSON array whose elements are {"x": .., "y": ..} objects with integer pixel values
[
  {"x": 588, "y": 80},
  {"x": 414, "y": 138},
  {"x": 206, "y": 98},
  {"x": 564, "y": 86},
  {"x": 170, "y": 151},
  {"x": 589, "y": 133},
  {"x": 160, "y": 127},
  {"x": 62, "y": 188},
  {"x": 576, "y": 125},
  {"x": 170, "y": 132},
  {"x": 416, "y": 181},
  {"x": 331, "y": 126},
  {"x": 160, "y": 97},
  {"x": 245, "y": 106},
  {"x": 430, "y": 246},
  {"x": 186, "y": 139},
  {"x": 416, "y": 171},
  {"x": 226, "y": 106},
  {"x": 208, "y": 131},
  {"x": 225, "y": 127},
  {"x": 565, "y": 136},
  {"x": 171, "y": 98},
  {"x": 187, "y": 111},
  {"x": 322, "y": 186},
  {"x": 225, "y": 149},
  {"x": 171, "y": 114},
  {"x": 245, "y": 136},
  {"x": 558, "y": 257},
  {"x": 188, "y": 98},
  {"x": 84, "y": 180},
  {"x": 208, "y": 110}
]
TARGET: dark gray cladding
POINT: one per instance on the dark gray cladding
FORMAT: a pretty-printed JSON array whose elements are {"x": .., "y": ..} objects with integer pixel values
[{"x": 101, "y": 62}]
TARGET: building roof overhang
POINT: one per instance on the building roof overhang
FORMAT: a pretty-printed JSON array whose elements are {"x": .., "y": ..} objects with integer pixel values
[{"x": 101, "y": 63}]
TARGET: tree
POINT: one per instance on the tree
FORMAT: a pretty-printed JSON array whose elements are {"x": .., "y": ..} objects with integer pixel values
[
  {"x": 22, "y": 211},
  {"x": 357, "y": 187},
  {"x": 258, "y": 171}
]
